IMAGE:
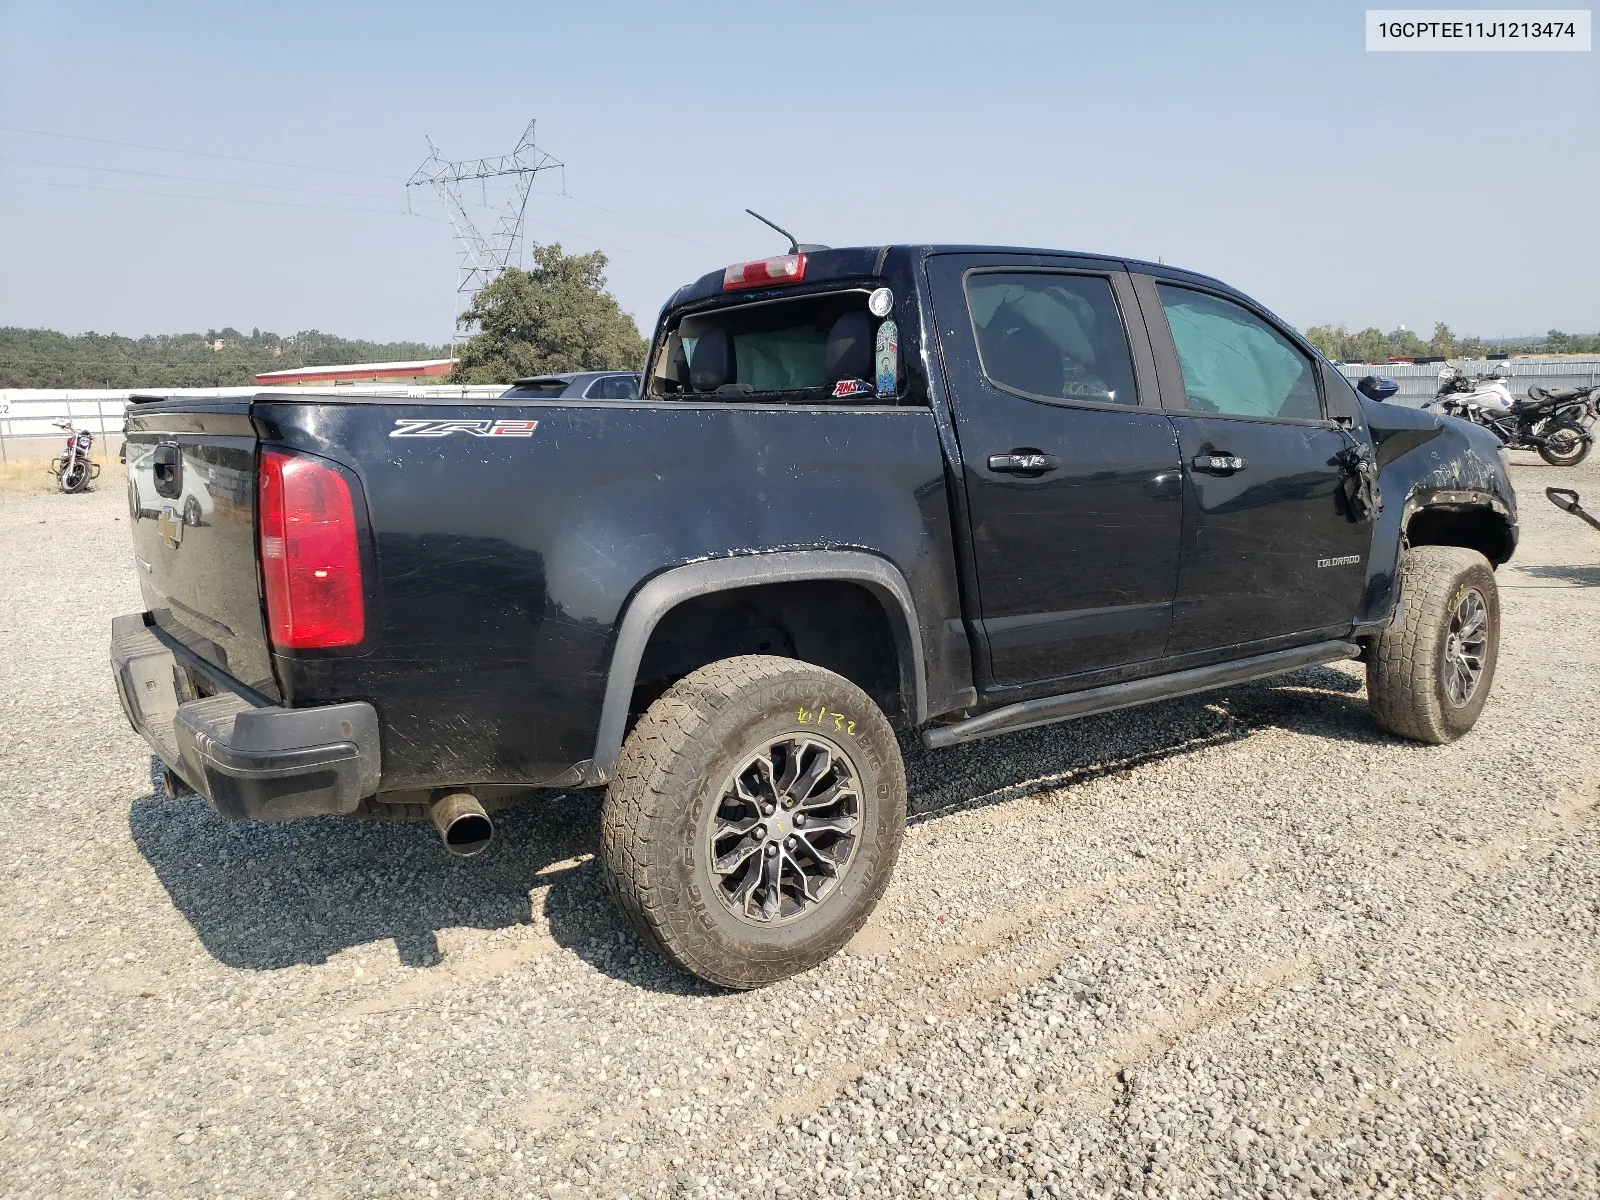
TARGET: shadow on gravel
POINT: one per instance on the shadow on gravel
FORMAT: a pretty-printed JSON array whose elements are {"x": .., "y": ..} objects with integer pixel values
[
  {"x": 263, "y": 897},
  {"x": 1582, "y": 576},
  {"x": 1320, "y": 701}
]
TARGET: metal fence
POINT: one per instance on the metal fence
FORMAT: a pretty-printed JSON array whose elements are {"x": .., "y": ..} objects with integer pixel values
[
  {"x": 1419, "y": 381},
  {"x": 28, "y": 415}
]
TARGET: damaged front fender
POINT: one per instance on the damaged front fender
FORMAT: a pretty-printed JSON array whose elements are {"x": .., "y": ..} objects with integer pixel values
[{"x": 1444, "y": 483}]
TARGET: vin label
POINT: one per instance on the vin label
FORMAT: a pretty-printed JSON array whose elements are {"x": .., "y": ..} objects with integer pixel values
[{"x": 1478, "y": 29}]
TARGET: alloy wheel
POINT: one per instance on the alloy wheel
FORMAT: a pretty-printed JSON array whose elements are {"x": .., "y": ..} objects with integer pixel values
[
  {"x": 1466, "y": 648},
  {"x": 784, "y": 833}
]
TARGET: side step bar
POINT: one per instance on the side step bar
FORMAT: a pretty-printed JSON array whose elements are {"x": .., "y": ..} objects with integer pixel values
[{"x": 1113, "y": 696}]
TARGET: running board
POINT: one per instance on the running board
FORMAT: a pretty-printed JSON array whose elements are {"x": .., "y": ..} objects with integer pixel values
[{"x": 1113, "y": 696}]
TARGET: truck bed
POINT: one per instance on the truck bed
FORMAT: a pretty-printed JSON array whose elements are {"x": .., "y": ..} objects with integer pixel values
[{"x": 506, "y": 538}]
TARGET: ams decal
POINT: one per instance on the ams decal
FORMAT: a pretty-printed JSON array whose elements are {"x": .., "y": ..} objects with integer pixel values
[{"x": 411, "y": 428}]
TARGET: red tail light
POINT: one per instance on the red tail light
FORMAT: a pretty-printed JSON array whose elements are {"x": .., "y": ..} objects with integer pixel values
[
  {"x": 786, "y": 268},
  {"x": 310, "y": 554}
]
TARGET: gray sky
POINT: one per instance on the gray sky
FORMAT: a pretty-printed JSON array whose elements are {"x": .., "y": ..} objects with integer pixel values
[{"x": 1256, "y": 142}]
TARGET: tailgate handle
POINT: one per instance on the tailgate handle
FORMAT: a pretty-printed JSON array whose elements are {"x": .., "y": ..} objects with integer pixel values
[{"x": 166, "y": 463}]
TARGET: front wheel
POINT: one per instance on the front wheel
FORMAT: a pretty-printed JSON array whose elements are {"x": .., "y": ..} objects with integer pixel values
[
  {"x": 1429, "y": 674},
  {"x": 74, "y": 476},
  {"x": 1565, "y": 445},
  {"x": 755, "y": 819}
]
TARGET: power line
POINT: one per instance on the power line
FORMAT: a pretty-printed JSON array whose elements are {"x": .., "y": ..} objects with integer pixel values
[
  {"x": 89, "y": 187},
  {"x": 645, "y": 224},
  {"x": 276, "y": 187},
  {"x": 266, "y": 162},
  {"x": 260, "y": 162},
  {"x": 610, "y": 246},
  {"x": 391, "y": 212}
]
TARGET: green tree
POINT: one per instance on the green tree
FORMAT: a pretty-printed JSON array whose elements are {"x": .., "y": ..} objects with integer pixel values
[
  {"x": 1405, "y": 344},
  {"x": 556, "y": 317},
  {"x": 1443, "y": 341},
  {"x": 1329, "y": 339},
  {"x": 1367, "y": 346},
  {"x": 44, "y": 358},
  {"x": 1556, "y": 342}
]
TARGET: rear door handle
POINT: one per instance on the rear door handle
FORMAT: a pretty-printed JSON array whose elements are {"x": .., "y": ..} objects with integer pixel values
[
  {"x": 1023, "y": 462},
  {"x": 1218, "y": 464}
]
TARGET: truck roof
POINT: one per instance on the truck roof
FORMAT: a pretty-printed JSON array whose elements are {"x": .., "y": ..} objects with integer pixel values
[{"x": 847, "y": 262}]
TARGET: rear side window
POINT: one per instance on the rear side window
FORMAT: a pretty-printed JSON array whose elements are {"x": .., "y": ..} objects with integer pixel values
[
  {"x": 1051, "y": 336},
  {"x": 818, "y": 347},
  {"x": 1235, "y": 363}
]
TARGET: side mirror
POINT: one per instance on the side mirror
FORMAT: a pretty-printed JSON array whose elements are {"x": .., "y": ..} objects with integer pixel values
[{"x": 1377, "y": 387}]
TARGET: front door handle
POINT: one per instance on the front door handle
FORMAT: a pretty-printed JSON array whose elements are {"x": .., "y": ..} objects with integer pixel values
[
  {"x": 1023, "y": 462},
  {"x": 1218, "y": 464}
]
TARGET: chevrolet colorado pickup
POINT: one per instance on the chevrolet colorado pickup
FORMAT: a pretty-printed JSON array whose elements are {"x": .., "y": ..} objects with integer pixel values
[{"x": 945, "y": 492}]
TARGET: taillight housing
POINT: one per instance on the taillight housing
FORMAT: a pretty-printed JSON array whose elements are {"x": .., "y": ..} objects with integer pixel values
[
  {"x": 786, "y": 268},
  {"x": 310, "y": 554}
]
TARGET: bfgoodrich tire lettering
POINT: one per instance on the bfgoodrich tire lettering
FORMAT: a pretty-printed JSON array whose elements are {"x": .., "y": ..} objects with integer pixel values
[
  {"x": 660, "y": 813},
  {"x": 1449, "y": 616}
]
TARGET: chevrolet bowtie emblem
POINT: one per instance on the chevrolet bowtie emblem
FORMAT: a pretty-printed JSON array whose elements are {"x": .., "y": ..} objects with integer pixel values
[{"x": 171, "y": 526}]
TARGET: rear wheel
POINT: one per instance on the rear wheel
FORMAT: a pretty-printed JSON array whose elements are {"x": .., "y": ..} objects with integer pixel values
[
  {"x": 755, "y": 819},
  {"x": 1565, "y": 445},
  {"x": 1429, "y": 674}
]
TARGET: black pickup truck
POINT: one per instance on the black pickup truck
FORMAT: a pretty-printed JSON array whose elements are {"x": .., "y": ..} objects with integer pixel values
[{"x": 863, "y": 492}]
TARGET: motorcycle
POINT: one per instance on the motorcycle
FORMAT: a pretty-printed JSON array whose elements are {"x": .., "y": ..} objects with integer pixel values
[
  {"x": 74, "y": 469},
  {"x": 1576, "y": 404},
  {"x": 1553, "y": 422}
]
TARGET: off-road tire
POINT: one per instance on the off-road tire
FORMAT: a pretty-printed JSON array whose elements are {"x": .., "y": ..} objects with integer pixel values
[
  {"x": 1576, "y": 438},
  {"x": 669, "y": 779},
  {"x": 1405, "y": 667}
]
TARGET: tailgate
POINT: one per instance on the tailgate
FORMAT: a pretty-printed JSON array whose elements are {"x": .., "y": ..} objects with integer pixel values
[{"x": 191, "y": 496}]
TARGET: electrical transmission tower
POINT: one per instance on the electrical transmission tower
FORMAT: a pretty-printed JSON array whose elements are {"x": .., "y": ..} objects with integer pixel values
[{"x": 483, "y": 258}]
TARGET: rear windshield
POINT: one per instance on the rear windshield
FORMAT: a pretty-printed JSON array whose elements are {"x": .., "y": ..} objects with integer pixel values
[{"x": 818, "y": 347}]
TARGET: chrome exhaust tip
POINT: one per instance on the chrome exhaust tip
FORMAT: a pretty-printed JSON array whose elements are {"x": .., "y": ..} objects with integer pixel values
[{"x": 462, "y": 824}]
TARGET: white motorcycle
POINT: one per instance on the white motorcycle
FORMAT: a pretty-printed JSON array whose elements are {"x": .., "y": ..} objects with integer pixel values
[
  {"x": 1550, "y": 423},
  {"x": 1490, "y": 392}
]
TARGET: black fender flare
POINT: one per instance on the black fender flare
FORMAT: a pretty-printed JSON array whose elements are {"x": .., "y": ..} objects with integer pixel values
[
  {"x": 665, "y": 591},
  {"x": 1420, "y": 499}
]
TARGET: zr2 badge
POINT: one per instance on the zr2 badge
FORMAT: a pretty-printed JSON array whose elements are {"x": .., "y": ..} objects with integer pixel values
[{"x": 408, "y": 427}]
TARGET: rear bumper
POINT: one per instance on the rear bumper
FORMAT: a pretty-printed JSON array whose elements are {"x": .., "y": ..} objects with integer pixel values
[{"x": 251, "y": 761}]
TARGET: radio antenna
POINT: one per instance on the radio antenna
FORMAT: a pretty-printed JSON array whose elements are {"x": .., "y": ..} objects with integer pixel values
[{"x": 794, "y": 246}]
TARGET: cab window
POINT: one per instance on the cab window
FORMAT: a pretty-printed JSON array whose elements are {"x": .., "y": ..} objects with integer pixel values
[
  {"x": 1234, "y": 363},
  {"x": 1051, "y": 336}
]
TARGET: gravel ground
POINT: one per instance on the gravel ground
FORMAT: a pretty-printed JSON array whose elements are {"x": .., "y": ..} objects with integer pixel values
[{"x": 1239, "y": 944}]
